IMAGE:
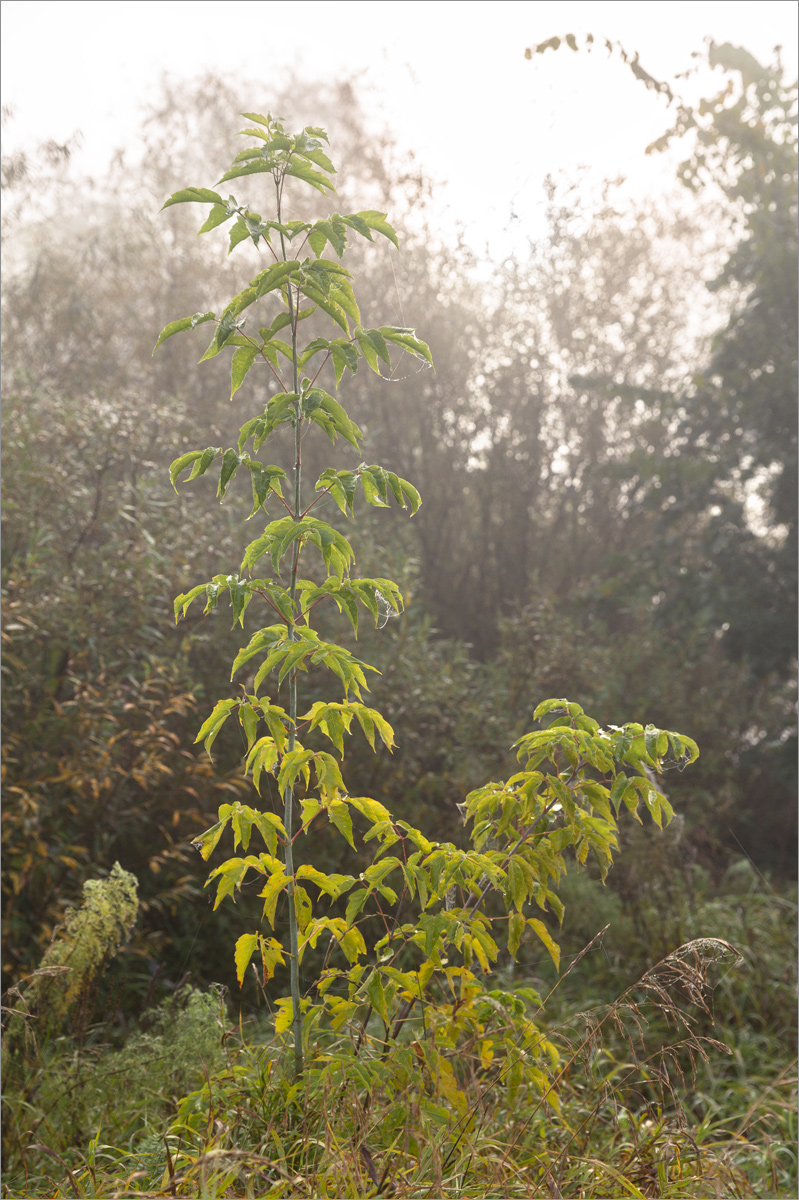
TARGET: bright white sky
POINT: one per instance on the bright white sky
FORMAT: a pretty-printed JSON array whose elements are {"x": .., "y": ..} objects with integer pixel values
[{"x": 449, "y": 79}]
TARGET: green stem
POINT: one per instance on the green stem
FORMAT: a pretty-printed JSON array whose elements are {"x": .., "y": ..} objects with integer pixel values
[{"x": 288, "y": 813}]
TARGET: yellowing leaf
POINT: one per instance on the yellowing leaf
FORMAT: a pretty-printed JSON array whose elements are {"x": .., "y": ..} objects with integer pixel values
[
  {"x": 543, "y": 933},
  {"x": 285, "y": 1015},
  {"x": 302, "y": 907},
  {"x": 245, "y": 948},
  {"x": 271, "y": 892}
]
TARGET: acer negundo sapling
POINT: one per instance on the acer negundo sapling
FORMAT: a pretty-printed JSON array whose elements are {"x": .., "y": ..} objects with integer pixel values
[{"x": 410, "y": 932}]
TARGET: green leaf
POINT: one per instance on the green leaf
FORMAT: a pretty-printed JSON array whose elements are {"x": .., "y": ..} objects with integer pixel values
[
  {"x": 241, "y": 820},
  {"x": 240, "y": 597},
  {"x": 212, "y": 590},
  {"x": 620, "y": 784},
  {"x": 193, "y": 196},
  {"x": 631, "y": 799},
  {"x": 356, "y": 902},
  {"x": 279, "y": 536},
  {"x": 269, "y": 664},
  {"x": 550, "y": 706},
  {"x": 370, "y": 719},
  {"x": 316, "y": 156},
  {"x": 201, "y": 459},
  {"x": 374, "y": 811},
  {"x": 279, "y": 723},
  {"x": 243, "y": 358},
  {"x": 431, "y": 927},
  {"x": 598, "y": 797},
  {"x": 341, "y": 485},
  {"x": 311, "y": 807},
  {"x": 368, "y": 350},
  {"x": 255, "y": 227},
  {"x": 328, "y": 305},
  {"x": 345, "y": 357},
  {"x": 316, "y": 179},
  {"x": 249, "y": 723},
  {"x": 331, "y": 417},
  {"x": 206, "y": 843},
  {"x": 295, "y": 763},
  {"x": 377, "y": 221},
  {"x": 228, "y": 324},
  {"x": 353, "y": 221},
  {"x": 656, "y": 742},
  {"x": 651, "y": 797},
  {"x": 252, "y": 152},
  {"x": 264, "y": 480},
  {"x": 377, "y": 997},
  {"x": 377, "y": 482},
  {"x": 183, "y": 601},
  {"x": 375, "y": 486},
  {"x": 217, "y": 216},
  {"x": 227, "y": 327},
  {"x": 332, "y": 885},
  {"x": 264, "y": 639},
  {"x": 332, "y": 231},
  {"x": 410, "y": 494},
  {"x": 407, "y": 339},
  {"x": 238, "y": 233},
  {"x": 211, "y": 727},
  {"x": 517, "y": 884},
  {"x": 270, "y": 351},
  {"x": 293, "y": 659},
  {"x": 231, "y": 461},
  {"x": 373, "y": 347},
  {"x": 230, "y": 876},
  {"x": 270, "y": 827},
  {"x": 342, "y": 294},
  {"x": 317, "y": 240},
  {"x": 273, "y": 277},
  {"x": 280, "y": 322},
  {"x": 281, "y": 408},
  {"x": 180, "y": 326},
  {"x": 516, "y": 926},
  {"x": 685, "y": 749},
  {"x": 376, "y": 874},
  {"x": 333, "y": 719},
  {"x": 340, "y": 816},
  {"x": 484, "y": 946},
  {"x": 251, "y": 168},
  {"x": 353, "y": 945},
  {"x": 260, "y": 120},
  {"x": 328, "y": 775}
]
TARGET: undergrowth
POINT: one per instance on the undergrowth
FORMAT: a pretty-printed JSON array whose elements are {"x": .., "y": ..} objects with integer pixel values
[{"x": 684, "y": 1086}]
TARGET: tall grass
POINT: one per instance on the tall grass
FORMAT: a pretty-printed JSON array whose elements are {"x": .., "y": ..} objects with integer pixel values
[{"x": 683, "y": 1086}]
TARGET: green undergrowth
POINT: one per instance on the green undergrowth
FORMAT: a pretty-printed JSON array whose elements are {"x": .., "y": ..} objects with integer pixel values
[
  {"x": 62, "y": 1091},
  {"x": 682, "y": 1086}
]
